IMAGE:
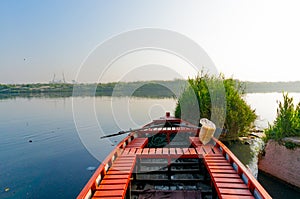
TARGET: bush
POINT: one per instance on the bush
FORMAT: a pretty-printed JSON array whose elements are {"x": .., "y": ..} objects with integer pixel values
[
  {"x": 196, "y": 103},
  {"x": 287, "y": 122}
]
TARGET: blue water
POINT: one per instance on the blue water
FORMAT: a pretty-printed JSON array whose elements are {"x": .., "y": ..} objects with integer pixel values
[
  {"x": 47, "y": 148},
  {"x": 54, "y": 164},
  {"x": 41, "y": 153}
]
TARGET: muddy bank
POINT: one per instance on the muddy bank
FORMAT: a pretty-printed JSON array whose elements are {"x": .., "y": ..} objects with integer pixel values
[{"x": 281, "y": 162}]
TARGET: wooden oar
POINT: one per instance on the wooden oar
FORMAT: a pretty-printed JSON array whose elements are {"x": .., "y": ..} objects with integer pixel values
[
  {"x": 186, "y": 126},
  {"x": 123, "y": 132}
]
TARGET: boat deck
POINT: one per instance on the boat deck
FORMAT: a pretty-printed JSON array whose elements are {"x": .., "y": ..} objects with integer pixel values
[{"x": 178, "y": 166}]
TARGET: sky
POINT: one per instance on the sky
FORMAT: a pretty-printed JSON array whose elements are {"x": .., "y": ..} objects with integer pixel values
[{"x": 255, "y": 40}]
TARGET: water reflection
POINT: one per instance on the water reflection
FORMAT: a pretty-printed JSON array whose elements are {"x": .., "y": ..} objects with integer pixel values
[{"x": 41, "y": 153}]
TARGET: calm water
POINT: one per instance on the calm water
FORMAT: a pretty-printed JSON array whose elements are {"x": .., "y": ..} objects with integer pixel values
[{"x": 48, "y": 149}]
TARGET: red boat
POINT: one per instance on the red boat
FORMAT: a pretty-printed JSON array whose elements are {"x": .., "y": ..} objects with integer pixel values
[{"x": 166, "y": 159}]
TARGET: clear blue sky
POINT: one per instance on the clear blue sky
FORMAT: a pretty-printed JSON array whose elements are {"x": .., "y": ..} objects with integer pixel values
[{"x": 249, "y": 40}]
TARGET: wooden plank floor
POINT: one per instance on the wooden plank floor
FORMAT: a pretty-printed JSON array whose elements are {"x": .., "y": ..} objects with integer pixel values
[
  {"x": 116, "y": 180},
  {"x": 226, "y": 180}
]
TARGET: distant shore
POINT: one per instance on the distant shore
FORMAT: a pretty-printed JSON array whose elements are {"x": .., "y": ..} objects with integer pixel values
[{"x": 138, "y": 89}]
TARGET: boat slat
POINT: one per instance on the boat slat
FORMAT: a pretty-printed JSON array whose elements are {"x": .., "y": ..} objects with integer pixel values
[
  {"x": 217, "y": 150},
  {"x": 138, "y": 143},
  {"x": 236, "y": 197},
  {"x": 231, "y": 180},
  {"x": 159, "y": 151},
  {"x": 121, "y": 163},
  {"x": 218, "y": 163},
  {"x": 165, "y": 151},
  {"x": 139, "y": 151},
  {"x": 126, "y": 151},
  {"x": 192, "y": 151},
  {"x": 103, "y": 197},
  {"x": 114, "y": 176},
  {"x": 145, "y": 151},
  {"x": 225, "y": 167},
  {"x": 244, "y": 192},
  {"x": 132, "y": 151},
  {"x": 152, "y": 151},
  {"x": 129, "y": 157},
  {"x": 110, "y": 193},
  {"x": 117, "y": 172},
  {"x": 172, "y": 151},
  {"x": 179, "y": 151},
  {"x": 207, "y": 149},
  {"x": 222, "y": 171},
  {"x": 121, "y": 169},
  {"x": 232, "y": 185},
  {"x": 226, "y": 175},
  {"x": 186, "y": 151},
  {"x": 195, "y": 141},
  {"x": 114, "y": 181},
  {"x": 214, "y": 158},
  {"x": 111, "y": 187},
  {"x": 200, "y": 151}
]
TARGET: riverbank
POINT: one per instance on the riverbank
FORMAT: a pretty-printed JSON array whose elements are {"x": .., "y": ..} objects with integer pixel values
[
  {"x": 156, "y": 89},
  {"x": 281, "y": 162},
  {"x": 247, "y": 150}
]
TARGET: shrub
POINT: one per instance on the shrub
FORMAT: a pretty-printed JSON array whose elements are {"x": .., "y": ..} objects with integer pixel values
[
  {"x": 287, "y": 122},
  {"x": 238, "y": 115}
]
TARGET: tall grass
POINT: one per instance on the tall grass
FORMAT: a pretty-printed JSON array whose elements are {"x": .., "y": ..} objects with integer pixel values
[{"x": 287, "y": 122}]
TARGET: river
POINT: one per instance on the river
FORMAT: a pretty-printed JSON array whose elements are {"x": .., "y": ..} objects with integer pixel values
[{"x": 49, "y": 147}]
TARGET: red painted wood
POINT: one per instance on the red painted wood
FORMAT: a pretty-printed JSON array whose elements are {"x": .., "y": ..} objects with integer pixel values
[
  {"x": 231, "y": 180},
  {"x": 122, "y": 164},
  {"x": 232, "y": 185},
  {"x": 218, "y": 164},
  {"x": 236, "y": 197},
  {"x": 152, "y": 151},
  {"x": 216, "y": 161},
  {"x": 217, "y": 150},
  {"x": 228, "y": 182},
  {"x": 145, "y": 151},
  {"x": 138, "y": 143},
  {"x": 127, "y": 172},
  {"x": 214, "y": 158},
  {"x": 225, "y": 175},
  {"x": 114, "y": 181},
  {"x": 207, "y": 149},
  {"x": 127, "y": 158},
  {"x": 165, "y": 151},
  {"x": 185, "y": 150},
  {"x": 223, "y": 170},
  {"x": 172, "y": 151},
  {"x": 117, "y": 172},
  {"x": 159, "y": 151},
  {"x": 103, "y": 197},
  {"x": 111, "y": 187},
  {"x": 139, "y": 151},
  {"x": 200, "y": 150},
  {"x": 235, "y": 191},
  {"x": 221, "y": 167},
  {"x": 252, "y": 182},
  {"x": 192, "y": 151},
  {"x": 110, "y": 193},
  {"x": 179, "y": 151},
  {"x": 119, "y": 176}
]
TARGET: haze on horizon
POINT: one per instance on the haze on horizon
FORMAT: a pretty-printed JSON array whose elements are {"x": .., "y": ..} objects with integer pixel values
[{"x": 248, "y": 40}]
